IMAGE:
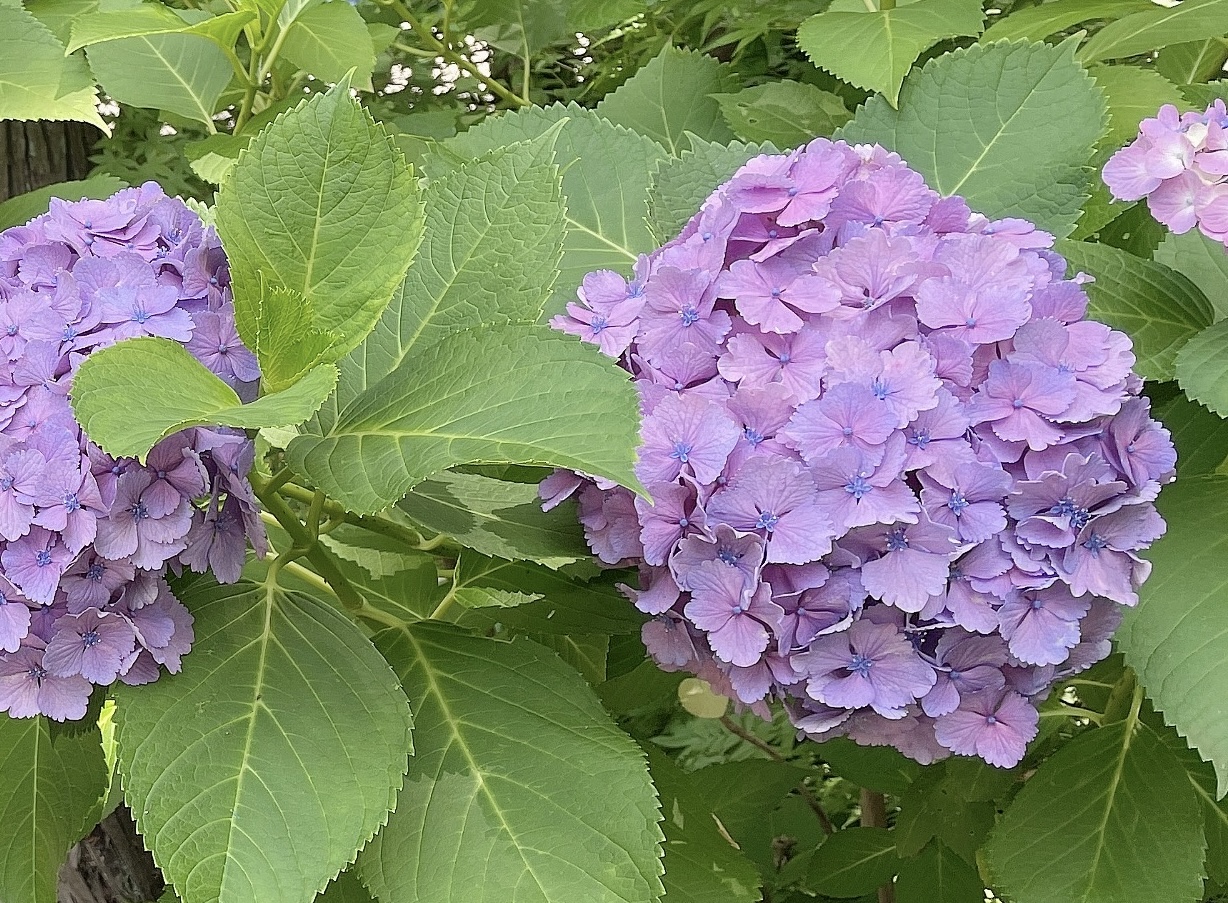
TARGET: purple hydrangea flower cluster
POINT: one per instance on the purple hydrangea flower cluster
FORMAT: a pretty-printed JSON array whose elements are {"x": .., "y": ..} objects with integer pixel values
[
  {"x": 897, "y": 481},
  {"x": 1179, "y": 162},
  {"x": 86, "y": 539}
]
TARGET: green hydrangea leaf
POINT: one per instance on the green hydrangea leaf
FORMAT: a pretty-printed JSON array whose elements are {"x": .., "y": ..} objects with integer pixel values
[
  {"x": 17, "y": 211},
  {"x": 1192, "y": 62},
  {"x": 1175, "y": 637},
  {"x": 1201, "y": 260},
  {"x": 175, "y": 391},
  {"x": 153, "y": 19},
  {"x": 183, "y": 73},
  {"x": 1109, "y": 818},
  {"x": 671, "y": 96},
  {"x": 1200, "y": 436},
  {"x": 496, "y": 518},
  {"x": 1008, "y": 126},
  {"x": 257, "y": 772},
  {"x": 938, "y": 875},
  {"x": 522, "y": 27},
  {"x": 494, "y": 231},
  {"x": 328, "y": 41},
  {"x": 508, "y": 394},
  {"x": 681, "y": 184},
  {"x": 321, "y": 203},
  {"x": 1157, "y": 27},
  {"x": 606, "y": 170},
  {"x": 569, "y": 604},
  {"x": 853, "y": 862},
  {"x": 701, "y": 865},
  {"x": 508, "y": 803},
  {"x": 53, "y": 783},
  {"x": 37, "y": 81},
  {"x": 875, "y": 49},
  {"x": 286, "y": 341},
  {"x": 345, "y": 888},
  {"x": 1035, "y": 23},
  {"x": 1157, "y": 307},
  {"x": 1202, "y": 367},
  {"x": 786, "y": 113}
]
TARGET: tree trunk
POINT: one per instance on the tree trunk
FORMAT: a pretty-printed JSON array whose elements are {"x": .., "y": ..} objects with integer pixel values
[
  {"x": 111, "y": 864},
  {"x": 35, "y": 154}
]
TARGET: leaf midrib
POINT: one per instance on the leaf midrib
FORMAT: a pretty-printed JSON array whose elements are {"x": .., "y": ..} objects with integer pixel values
[{"x": 478, "y": 774}]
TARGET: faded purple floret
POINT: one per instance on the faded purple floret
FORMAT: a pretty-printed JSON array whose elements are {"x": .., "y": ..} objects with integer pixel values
[
  {"x": 85, "y": 539},
  {"x": 896, "y": 482}
]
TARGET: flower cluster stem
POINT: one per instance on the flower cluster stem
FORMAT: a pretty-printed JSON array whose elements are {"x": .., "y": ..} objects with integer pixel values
[
  {"x": 874, "y": 815},
  {"x": 307, "y": 545},
  {"x": 803, "y": 791}
]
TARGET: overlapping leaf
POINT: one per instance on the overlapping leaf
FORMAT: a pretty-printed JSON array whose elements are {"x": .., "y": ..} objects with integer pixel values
[
  {"x": 786, "y": 113},
  {"x": 494, "y": 229},
  {"x": 509, "y": 394},
  {"x": 321, "y": 203},
  {"x": 1177, "y": 637},
  {"x": 508, "y": 803},
  {"x": 1202, "y": 367},
  {"x": 258, "y": 772},
  {"x": 683, "y": 183},
  {"x": 154, "y": 19},
  {"x": 328, "y": 41},
  {"x": 37, "y": 81},
  {"x": 1070, "y": 833},
  {"x": 1157, "y": 27},
  {"x": 701, "y": 865},
  {"x": 606, "y": 170},
  {"x": 1009, "y": 126},
  {"x": 1202, "y": 261},
  {"x": 1034, "y": 23},
  {"x": 183, "y": 73},
  {"x": 875, "y": 49},
  {"x": 503, "y": 520},
  {"x": 48, "y": 800},
  {"x": 671, "y": 96},
  {"x": 1157, "y": 307},
  {"x": 569, "y": 604},
  {"x": 175, "y": 391}
]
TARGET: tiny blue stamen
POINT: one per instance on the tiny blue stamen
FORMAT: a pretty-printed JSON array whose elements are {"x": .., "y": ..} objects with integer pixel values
[
  {"x": 767, "y": 521},
  {"x": 858, "y": 487},
  {"x": 897, "y": 541}
]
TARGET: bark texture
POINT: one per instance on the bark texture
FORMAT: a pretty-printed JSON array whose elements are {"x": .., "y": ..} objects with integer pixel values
[
  {"x": 35, "y": 154},
  {"x": 111, "y": 864}
]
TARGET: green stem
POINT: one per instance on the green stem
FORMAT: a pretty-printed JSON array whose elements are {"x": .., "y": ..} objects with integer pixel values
[
  {"x": 373, "y": 524},
  {"x": 885, "y": 5},
  {"x": 424, "y": 34},
  {"x": 1073, "y": 711},
  {"x": 445, "y": 604},
  {"x": 368, "y": 612},
  {"x": 811, "y": 800},
  {"x": 319, "y": 556},
  {"x": 249, "y": 92}
]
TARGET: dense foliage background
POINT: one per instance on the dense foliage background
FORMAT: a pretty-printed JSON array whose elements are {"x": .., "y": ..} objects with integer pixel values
[{"x": 550, "y": 138}]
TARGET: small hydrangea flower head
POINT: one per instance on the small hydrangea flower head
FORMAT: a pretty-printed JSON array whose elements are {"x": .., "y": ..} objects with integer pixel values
[
  {"x": 86, "y": 539},
  {"x": 897, "y": 484},
  {"x": 1179, "y": 163}
]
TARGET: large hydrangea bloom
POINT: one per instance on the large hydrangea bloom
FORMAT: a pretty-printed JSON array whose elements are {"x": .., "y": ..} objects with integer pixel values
[
  {"x": 86, "y": 539},
  {"x": 897, "y": 481},
  {"x": 1179, "y": 163}
]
